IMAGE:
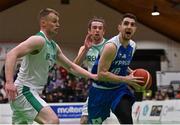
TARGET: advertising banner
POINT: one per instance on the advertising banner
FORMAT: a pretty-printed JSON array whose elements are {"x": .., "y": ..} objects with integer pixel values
[
  {"x": 151, "y": 111},
  {"x": 68, "y": 113},
  {"x": 171, "y": 112}
]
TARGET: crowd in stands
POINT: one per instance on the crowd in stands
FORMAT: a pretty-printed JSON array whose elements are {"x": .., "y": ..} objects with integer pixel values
[
  {"x": 65, "y": 87},
  {"x": 61, "y": 86},
  {"x": 163, "y": 93}
]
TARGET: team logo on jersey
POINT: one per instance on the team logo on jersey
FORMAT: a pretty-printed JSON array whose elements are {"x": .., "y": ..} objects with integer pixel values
[
  {"x": 97, "y": 121},
  {"x": 123, "y": 56},
  {"x": 120, "y": 54}
]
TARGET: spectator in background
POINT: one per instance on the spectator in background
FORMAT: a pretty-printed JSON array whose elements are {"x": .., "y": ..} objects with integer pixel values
[
  {"x": 3, "y": 98},
  {"x": 178, "y": 93},
  {"x": 2, "y": 91},
  {"x": 53, "y": 73},
  {"x": 164, "y": 94},
  {"x": 161, "y": 94},
  {"x": 170, "y": 92},
  {"x": 3, "y": 73},
  {"x": 63, "y": 72},
  {"x": 17, "y": 70}
]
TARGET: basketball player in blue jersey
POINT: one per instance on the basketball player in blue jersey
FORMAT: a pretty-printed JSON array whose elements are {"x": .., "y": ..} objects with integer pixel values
[
  {"x": 89, "y": 52},
  {"x": 111, "y": 90},
  {"x": 39, "y": 54}
]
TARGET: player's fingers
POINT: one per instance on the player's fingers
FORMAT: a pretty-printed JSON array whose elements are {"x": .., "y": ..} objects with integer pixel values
[
  {"x": 88, "y": 36},
  {"x": 137, "y": 87},
  {"x": 139, "y": 81},
  {"x": 7, "y": 91},
  {"x": 139, "y": 77},
  {"x": 88, "y": 40},
  {"x": 12, "y": 95}
]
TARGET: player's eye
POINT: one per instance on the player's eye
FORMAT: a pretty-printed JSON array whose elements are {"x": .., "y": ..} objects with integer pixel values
[
  {"x": 94, "y": 27},
  {"x": 126, "y": 23}
]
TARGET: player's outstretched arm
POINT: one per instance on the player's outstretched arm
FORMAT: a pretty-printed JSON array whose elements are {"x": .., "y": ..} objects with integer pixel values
[
  {"x": 72, "y": 67},
  {"x": 81, "y": 55}
]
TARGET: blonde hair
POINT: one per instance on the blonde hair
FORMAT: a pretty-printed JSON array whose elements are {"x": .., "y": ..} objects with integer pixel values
[{"x": 45, "y": 12}]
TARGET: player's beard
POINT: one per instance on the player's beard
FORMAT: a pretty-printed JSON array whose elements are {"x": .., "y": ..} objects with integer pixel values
[
  {"x": 126, "y": 36},
  {"x": 56, "y": 30},
  {"x": 97, "y": 38}
]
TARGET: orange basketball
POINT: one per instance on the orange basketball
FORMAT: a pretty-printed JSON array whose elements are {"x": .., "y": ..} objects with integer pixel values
[{"x": 147, "y": 77}]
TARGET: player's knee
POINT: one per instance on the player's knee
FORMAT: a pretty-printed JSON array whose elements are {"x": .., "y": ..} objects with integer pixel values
[
  {"x": 124, "y": 117},
  {"x": 53, "y": 120},
  {"x": 49, "y": 120},
  {"x": 84, "y": 119}
]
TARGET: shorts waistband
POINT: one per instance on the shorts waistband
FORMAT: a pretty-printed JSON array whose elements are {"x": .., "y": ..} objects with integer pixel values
[{"x": 103, "y": 87}]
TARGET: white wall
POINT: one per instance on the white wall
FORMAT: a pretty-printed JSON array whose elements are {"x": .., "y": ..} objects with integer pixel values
[{"x": 20, "y": 21}]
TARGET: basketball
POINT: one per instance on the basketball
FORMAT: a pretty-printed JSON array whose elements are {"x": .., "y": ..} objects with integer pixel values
[{"x": 147, "y": 77}]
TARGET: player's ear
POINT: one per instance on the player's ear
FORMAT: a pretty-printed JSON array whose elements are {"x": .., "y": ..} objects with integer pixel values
[
  {"x": 135, "y": 29},
  {"x": 42, "y": 22},
  {"x": 104, "y": 31},
  {"x": 89, "y": 31},
  {"x": 119, "y": 28}
]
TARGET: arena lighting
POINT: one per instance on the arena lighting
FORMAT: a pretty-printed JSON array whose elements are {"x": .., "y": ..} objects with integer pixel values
[{"x": 155, "y": 11}]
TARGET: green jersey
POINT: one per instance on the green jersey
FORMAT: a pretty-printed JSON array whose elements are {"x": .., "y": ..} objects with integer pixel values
[
  {"x": 93, "y": 53},
  {"x": 35, "y": 67}
]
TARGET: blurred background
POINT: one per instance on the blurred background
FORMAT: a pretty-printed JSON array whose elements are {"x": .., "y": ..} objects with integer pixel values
[{"x": 157, "y": 38}]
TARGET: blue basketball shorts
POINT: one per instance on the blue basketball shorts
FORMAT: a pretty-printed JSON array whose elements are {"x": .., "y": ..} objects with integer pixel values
[{"x": 102, "y": 100}]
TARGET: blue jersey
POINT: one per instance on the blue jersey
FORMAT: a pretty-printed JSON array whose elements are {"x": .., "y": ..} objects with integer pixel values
[
  {"x": 120, "y": 63},
  {"x": 110, "y": 94}
]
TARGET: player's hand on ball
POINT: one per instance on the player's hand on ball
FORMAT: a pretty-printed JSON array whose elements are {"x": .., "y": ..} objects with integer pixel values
[
  {"x": 135, "y": 81},
  {"x": 147, "y": 78}
]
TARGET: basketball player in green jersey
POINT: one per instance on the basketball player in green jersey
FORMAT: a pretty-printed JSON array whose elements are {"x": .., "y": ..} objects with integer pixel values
[
  {"x": 88, "y": 53},
  {"x": 39, "y": 54}
]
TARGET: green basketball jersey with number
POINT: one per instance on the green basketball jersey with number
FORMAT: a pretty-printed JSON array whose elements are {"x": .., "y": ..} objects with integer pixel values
[
  {"x": 93, "y": 53},
  {"x": 35, "y": 67}
]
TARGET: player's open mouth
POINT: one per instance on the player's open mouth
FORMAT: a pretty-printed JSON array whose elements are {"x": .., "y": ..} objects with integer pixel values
[
  {"x": 128, "y": 32},
  {"x": 96, "y": 34},
  {"x": 57, "y": 29}
]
